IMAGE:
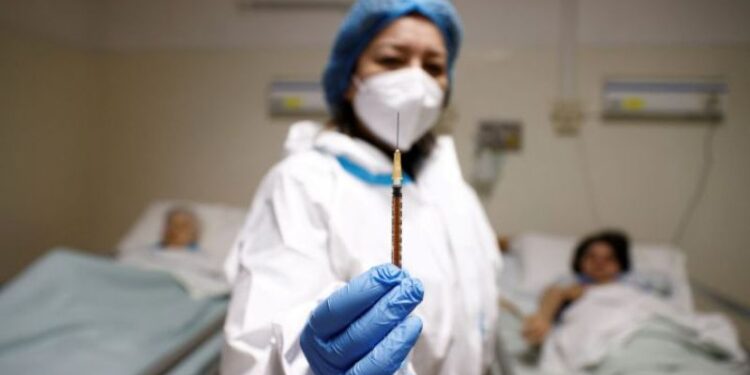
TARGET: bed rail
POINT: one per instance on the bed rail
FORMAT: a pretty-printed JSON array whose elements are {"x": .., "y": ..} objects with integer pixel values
[{"x": 171, "y": 360}]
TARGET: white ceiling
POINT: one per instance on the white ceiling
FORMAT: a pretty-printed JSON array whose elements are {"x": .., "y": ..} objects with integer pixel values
[{"x": 166, "y": 24}]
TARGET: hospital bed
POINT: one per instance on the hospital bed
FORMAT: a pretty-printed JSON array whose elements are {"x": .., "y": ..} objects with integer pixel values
[
  {"x": 77, "y": 313},
  {"x": 532, "y": 261}
]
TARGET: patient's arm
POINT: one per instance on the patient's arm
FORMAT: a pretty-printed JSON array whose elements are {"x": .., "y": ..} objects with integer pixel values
[{"x": 537, "y": 325}]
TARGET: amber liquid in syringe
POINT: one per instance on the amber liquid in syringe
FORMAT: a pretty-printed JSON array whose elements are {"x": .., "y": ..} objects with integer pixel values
[
  {"x": 396, "y": 209},
  {"x": 396, "y": 203}
]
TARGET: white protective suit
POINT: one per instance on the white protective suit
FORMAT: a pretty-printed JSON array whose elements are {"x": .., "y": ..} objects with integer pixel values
[{"x": 322, "y": 216}]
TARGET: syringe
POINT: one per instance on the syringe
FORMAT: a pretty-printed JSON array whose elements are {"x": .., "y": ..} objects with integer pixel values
[{"x": 396, "y": 202}]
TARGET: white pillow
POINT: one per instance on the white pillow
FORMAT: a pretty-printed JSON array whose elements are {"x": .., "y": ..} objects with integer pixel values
[
  {"x": 546, "y": 258},
  {"x": 669, "y": 260},
  {"x": 219, "y": 227}
]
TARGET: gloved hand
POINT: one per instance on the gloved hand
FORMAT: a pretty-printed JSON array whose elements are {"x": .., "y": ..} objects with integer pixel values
[{"x": 364, "y": 328}]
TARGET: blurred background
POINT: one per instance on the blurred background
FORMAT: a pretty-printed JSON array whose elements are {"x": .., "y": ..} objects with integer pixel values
[{"x": 106, "y": 106}]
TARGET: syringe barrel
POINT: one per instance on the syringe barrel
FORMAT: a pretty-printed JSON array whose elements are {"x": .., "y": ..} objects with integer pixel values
[{"x": 396, "y": 226}]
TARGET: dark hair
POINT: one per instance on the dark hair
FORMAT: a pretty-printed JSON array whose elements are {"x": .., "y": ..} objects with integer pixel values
[
  {"x": 616, "y": 239},
  {"x": 345, "y": 120}
]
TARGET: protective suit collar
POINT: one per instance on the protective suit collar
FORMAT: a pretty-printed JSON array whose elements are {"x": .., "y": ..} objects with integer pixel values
[
  {"x": 308, "y": 135},
  {"x": 440, "y": 168},
  {"x": 379, "y": 179}
]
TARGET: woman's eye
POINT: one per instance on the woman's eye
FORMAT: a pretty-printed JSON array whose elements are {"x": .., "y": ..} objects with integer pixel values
[
  {"x": 434, "y": 69},
  {"x": 390, "y": 61}
]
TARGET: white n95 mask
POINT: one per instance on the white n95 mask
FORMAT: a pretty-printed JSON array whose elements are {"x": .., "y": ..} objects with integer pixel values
[{"x": 411, "y": 93}]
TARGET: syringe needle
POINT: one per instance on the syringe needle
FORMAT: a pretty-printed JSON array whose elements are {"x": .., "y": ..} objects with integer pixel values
[{"x": 398, "y": 128}]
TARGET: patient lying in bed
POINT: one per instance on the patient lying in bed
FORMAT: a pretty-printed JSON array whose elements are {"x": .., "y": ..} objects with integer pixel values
[
  {"x": 178, "y": 253},
  {"x": 599, "y": 259},
  {"x": 604, "y": 309}
]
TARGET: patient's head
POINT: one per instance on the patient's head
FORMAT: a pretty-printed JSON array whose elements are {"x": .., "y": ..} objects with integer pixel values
[
  {"x": 181, "y": 228},
  {"x": 602, "y": 257}
]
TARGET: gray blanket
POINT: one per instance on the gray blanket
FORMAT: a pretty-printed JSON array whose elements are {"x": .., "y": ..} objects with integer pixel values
[{"x": 71, "y": 313}]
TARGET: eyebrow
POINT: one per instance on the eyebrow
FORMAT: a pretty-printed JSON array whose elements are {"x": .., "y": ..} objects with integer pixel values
[{"x": 431, "y": 52}]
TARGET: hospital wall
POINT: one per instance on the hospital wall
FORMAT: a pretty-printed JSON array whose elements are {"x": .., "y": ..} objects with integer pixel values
[
  {"x": 642, "y": 174},
  {"x": 47, "y": 107},
  {"x": 194, "y": 125},
  {"x": 89, "y": 138}
]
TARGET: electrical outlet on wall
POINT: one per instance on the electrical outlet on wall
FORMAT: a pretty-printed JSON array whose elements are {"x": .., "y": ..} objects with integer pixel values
[
  {"x": 499, "y": 135},
  {"x": 567, "y": 116}
]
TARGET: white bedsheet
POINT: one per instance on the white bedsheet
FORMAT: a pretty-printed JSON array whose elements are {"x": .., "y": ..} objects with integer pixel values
[
  {"x": 199, "y": 273},
  {"x": 606, "y": 316}
]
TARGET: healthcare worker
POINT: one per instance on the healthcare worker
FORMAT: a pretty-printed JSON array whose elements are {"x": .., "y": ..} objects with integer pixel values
[{"x": 313, "y": 290}]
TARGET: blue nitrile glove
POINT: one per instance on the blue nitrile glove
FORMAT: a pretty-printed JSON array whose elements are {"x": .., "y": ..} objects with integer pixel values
[{"x": 364, "y": 328}]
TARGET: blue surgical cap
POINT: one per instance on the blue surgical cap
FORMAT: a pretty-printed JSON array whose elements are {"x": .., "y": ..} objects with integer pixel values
[{"x": 365, "y": 20}]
